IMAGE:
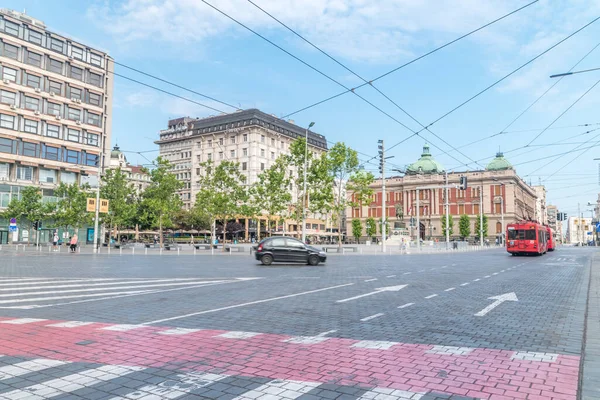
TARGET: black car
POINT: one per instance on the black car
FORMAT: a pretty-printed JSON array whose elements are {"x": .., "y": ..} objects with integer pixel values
[{"x": 287, "y": 249}]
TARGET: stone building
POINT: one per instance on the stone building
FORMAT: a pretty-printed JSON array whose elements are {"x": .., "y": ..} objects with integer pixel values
[
  {"x": 136, "y": 174},
  {"x": 541, "y": 213},
  {"x": 505, "y": 194},
  {"x": 554, "y": 223}
]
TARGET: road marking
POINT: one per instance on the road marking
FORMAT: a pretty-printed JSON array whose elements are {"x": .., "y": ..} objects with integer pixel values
[
  {"x": 445, "y": 266},
  {"x": 487, "y": 276},
  {"x": 306, "y": 339},
  {"x": 377, "y": 291},
  {"x": 28, "y": 300},
  {"x": 238, "y": 335},
  {"x": 495, "y": 273},
  {"x": 93, "y": 284},
  {"x": 27, "y": 367},
  {"x": 34, "y": 281},
  {"x": 450, "y": 350},
  {"x": 422, "y": 270},
  {"x": 246, "y": 304},
  {"x": 70, "y": 324},
  {"x": 476, "y": 280},
  {"x": 391, "y": 276},
  {"x": 371, "y": 317},
  {"x": 122, "y": 327},
  {"x": 21, "y": 321},
  {"x": 327, "y": 333},
  {"x": 279, "y": 389},
  {"x": 499, "y": 300},
  {"x": 371, "y": 280},
  {"x": 178, "y": 331},
  {"x": 406, "y": 305},
  {"x": 431, "y": 296},
  {"x": 387, "y": 393},
  {"x": 503, "y": 270},
  {"x": 464, "y": 284},
  {"x": 449, "y": 289},
  {"x": 374, "y": 344},
  {"x": 407, "y": 273},
  {"x": 534, "y": 356}
]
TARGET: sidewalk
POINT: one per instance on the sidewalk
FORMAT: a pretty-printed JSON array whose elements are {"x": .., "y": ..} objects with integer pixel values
[{"x": 590, "y": 366}]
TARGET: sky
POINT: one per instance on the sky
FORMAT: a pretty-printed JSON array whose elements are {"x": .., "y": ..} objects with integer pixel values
[{"x": 191, "y": 44}]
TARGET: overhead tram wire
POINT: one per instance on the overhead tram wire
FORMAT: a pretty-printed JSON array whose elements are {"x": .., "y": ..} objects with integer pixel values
[{"x": 413, "y": 60}]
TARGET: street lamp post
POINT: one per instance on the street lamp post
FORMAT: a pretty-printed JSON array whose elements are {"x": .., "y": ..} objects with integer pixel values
[
  {"x": 304, "y": 194},
  {"x": 502, "y": 239}
]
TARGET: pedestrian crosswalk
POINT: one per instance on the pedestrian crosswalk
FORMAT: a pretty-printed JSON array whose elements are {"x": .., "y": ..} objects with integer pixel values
[
  {"x": 29, "y": 293},
  {"x": 38, "y": 379}
]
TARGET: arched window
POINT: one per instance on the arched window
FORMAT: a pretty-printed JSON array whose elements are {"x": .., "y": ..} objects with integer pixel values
[{"x": 498, "y": 227}]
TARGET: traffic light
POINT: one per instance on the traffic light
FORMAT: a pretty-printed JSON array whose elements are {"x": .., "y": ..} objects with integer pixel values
[
  {"x": 463, "y": 183},
  {"x": 381, "y": 156},
  {"x": 37, "y": 225}
]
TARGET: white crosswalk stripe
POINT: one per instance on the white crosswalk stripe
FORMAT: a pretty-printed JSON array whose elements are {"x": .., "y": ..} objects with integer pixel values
[
  {"x": 26, "y": 367},
  {"x": 279, "y": 389}
]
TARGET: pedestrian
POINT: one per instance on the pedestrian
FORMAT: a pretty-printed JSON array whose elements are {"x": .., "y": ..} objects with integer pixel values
[
  {"x": 155, "y": 239},
  {"x": 55, "y": 241},
  {"x": 74, "y": 243}
]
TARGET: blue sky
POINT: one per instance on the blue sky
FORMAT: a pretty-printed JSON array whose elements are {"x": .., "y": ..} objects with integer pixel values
[{"x": 187, "y": 42}]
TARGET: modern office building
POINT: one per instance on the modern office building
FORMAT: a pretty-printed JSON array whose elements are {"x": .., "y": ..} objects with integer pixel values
[{"x": 579, "y": 230}]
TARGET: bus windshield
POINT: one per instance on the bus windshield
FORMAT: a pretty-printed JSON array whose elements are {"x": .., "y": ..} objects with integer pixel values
[{"x": 521, "y": 234}]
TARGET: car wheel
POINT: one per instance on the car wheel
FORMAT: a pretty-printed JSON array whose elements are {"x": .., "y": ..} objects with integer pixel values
[
  {"x": 313, "y": 259},
  {"x": 267, "y": 259}
]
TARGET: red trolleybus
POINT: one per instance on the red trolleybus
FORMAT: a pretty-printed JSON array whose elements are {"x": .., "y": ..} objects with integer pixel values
[
  {"x": 551, "y": 244},
  {"x": 526, "y": 237}
]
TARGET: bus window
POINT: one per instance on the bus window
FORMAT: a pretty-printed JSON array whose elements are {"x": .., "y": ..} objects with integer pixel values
[
  {"x": 529, "y": 234},
  {"x": 512, "y": 234}
]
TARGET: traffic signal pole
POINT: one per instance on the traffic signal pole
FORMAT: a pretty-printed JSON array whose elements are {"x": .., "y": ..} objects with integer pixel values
[{"x": 383, "y": 202}]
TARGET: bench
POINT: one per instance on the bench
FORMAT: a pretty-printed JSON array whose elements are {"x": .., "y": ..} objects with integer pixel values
[
  {"x": 353, "y": 249},
  {"x": 204, "y": 246},
  {"x": 239, "y": 249}
]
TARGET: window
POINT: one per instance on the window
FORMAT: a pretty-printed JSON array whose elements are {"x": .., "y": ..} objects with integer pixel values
[
  {"x": 245, "y": 152},
  {"x": 74, "y": 93},
  {"x": 71, "y": 156},
  {"x": 461, "y": 209},
  {"x": 262, "y": 152},
  {"x": 498, "y": 227},
  {"x": 35, "y": 37},
  {"x": 272, "y": 155},
  {"x": 4, "y": 172},
  {"x": 7, "y": 121},
  {"x": 273, "y": 142},
  {"x": 262, "y": 138},
  {"x": 96, "y": 100},
  {"x": 93, "y": 119},
  {"x": 53, "y": 108},
  {"x": 262, "y": 166},
  {"x": 95, "y": 79},
  {"x": 24, "y": 173},
  {"x": 11, "y": 51},
  {"x": 76, "y": 73},
  {"x": 245, "y": 137},
  {"x": 281, "y": 144},
  {"x": 220, "y": 155},
  {"x": 31, "y": 126},
  {"x": 11, "y": 28},
  {"x": 209, "y": 142},
  {"x": 74, "y": 114},
  {"x": 7, "y": 97},
  {"x": 96, "y": 59},
  {"x": 476, "y": 209},
  {"x": 7, "y": 146},
  {"x": 9, "y": 74},
  {"x": 53, "y": 131},
  {"x": 232, "y": 139},
  {"x": 91, "y": 160},
  {"x": 50, "y": 153},
  {"x": 55, "y": 66},
  {"x": 92, "y": 139},
  {"x": 221, "y": 142},
  {"x": 244, "y": 166},
  {"x": 530, "y": 234},
  {"x": 73, "y": 135},
  {"x": 209, "y": 156},
  {"x": 34, "y": 59},
  {"x": 497, "y": 208},
  {"x": 55, "y": 87},
  {"x": 33, "y": 81},
  {"x": 29, "y": 149},
  {"x": 295, "y": 243},
  {"x": 47, "y": 175},
  {"x": 232, "y": 153},
  {"x": 31, "y": 103},
  {"x": 56, "y": 44},
  {"x": 77, "y": 52},
  {"x": 67, "y": 177}
]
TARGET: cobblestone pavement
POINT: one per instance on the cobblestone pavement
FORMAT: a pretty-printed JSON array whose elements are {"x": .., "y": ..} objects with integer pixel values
[{"x": 471, "y": 325}]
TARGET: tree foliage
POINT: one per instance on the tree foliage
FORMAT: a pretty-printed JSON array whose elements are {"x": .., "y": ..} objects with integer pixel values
[
  {"x": 464, "y": 226},
  {"x": 71, "y": 208},
  {"x": 122, "y": 199},
  {"x": 271, "y": 192},
  {"x": 371, "y": 227},
  {"x": 450, "y": 225},
  {"x": 357, "y": 229},
  {"x": 478, "y": 226}
]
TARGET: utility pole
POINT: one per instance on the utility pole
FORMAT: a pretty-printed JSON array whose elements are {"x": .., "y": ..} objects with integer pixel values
[
  {"x": 447, "y": 207},
  {"x": 304, "y": 194},
  {"x": 418, "y": 222},
  {"x": 579, "y": 240},
  {"x": 383, "y": 202},
  {"x": 481, "y": 216},
  {"x": 97, "y": 208}
]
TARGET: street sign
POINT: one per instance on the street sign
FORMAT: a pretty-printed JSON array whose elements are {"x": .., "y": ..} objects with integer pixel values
[
  {"x": 91, "y": 205},
  {"x": 12, "y": 228},
  {"x": 103, "y": 206},
  {"x": 13, "y": 221}
]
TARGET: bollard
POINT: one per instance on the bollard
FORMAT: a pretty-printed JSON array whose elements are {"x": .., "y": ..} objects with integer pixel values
[
  {"x": 108, "y": 248},
  {"x": 361, "y": 250},
  {"x": 79, "y": 249},
  {"x": 133, "y": 251},
  {"x": 194, "y": 251},
  {"x": 177, "y": 250},
  {"x": 160, "y": 251},
  {"x": 145, "y": 251},
  {"x": 120, "y": 251}
]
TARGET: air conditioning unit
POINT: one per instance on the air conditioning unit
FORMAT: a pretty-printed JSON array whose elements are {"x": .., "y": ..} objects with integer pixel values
[
  {"x": 6, "y": 82},
  {"x": 13, "y": 107},
  {"x": 37, "y": 113},
  {"x": 38, "y": 90},
  {"x": 52, "y": 94},
  {"x": 73, "y": 99},
  {"x": 78, "y": 122},
  {"x": 58, "y": 117},
  {"x": 70, "y": 58},
  {"x": 78, "y": 101}
]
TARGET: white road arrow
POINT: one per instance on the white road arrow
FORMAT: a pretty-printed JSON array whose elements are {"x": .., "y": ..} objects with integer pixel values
[
  {"x": 378, "y": 290},
  {"x": 499, "y": 300}
]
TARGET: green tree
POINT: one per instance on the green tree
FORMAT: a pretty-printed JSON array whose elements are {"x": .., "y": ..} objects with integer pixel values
[
  {"x": 71, "y": 207},
  {"x": 28, "y": 208},
  {"x": 357, "y": 229},
  {"x": 271, "y": 192},
  {"x": 450, "y": 225},
  {"x": 122, "y": 200},
  {"x": 387, "y": 227},
  {"x": 222, "y": 194},
  {"x": 478, "y": 226},
  {"x": 464, "y": 226},
  {"x": 160, "y": 200},
  {"x": 371, "y": 227}
]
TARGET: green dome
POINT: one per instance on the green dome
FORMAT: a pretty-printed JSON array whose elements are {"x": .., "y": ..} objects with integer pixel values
[
  {"x": 499, "y": 163},
  {"x": 115, "y": 153},
  {"x": 425, "y": 165}
]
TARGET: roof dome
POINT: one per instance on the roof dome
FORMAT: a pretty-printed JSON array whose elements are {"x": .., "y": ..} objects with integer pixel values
[
  {"x": 116, "y": 152},
  {"x": 499, "y": 163},
  {"x": 425, "y": 165}
]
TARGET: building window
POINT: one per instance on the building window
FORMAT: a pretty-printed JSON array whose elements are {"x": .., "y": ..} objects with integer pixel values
[
  {"x": 209, "y": 156},
  {"x": 93, "y": 119},
  {"x": 34, "y": 59},
  {"x": 7, "y": 146},
  {"x": 31, "y": 103},
  {"x": 11, "y": 51},
  {"x": 497, "y": 208},
  {"x": 73, "y": 135},
  {"x": 24, "y": 173},
  {"x": 33, "y": 81},
  {"x": 29, "y": 149},
  {"x": 220, "y": 155},
  {"x": 54, "y": 108},
  {"x": 50, "y": 153},
  {"x": 7, "y": 121},
  {"x": 55, "y": 87},
  {"x": 4, "y": 173},
  {"x": 56, "y": 45},
  {"x": 76, "y": 73},
  {"x": 262, "y": 152},
  {"x": 77, "y": 53},
  {"x": 498, "y": 227},
  {"x": 53, "y": 131},
  {"x": 272, "y": 155},
  {"x": 461, "y": 209},
  {"x": 96, "y": 60},
  {"x": 74, "y": 114},
  {"x": 262, "y": 138},
  {"x": 31, "y": 126},
  {"x": 244, "y": 166},
  {"x": 71, "y": 156},
  {"x": 11, "y": 28},
  {"x": 262, "y": 166},
  {"x": 9, "y": 74},
  {"x": 232, "y": 153},
  {"x": 95, "y": 99},
  {"x": 47, "y": 175},
  {"x": 245, "y": 152},
  {"x": 245, "y": 137},
  {"x": 74, "y": 93},
  {"x": 95, "y": 79},
  {"x": 55, "y": 66},
  {"x": 221, "y": 141},
  {"x": 209, "y": 142},
  {"x": 35, "y": 37},
  {"x": 498, "y": 190},
  {"x": 67, "y": 177},
  {"x": 273, "y": 142},
  {"x": 92, "y": 139},
  {"x": 476, "y": 209},
  {"x": 232, "y": 139},
  {"x": 281, "y": 144},
  {"x": 91, "y": 160},
  {"x": 7, "y": 97}
]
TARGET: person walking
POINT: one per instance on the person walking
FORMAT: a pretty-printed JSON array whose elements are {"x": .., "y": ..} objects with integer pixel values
[
  {"x": 55, "y": 241},
  {"x": 74, "y": 243}
]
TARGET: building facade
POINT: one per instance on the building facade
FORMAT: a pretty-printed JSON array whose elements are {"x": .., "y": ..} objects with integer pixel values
[
  {"x": 554, "y": 223},
  {"x": 55, "y": 107},
  {"x": 137, "y": 175},
  {"x": 506, "y": 197},
  {"x": 541, "y": 212},
  {"x": 251, "y": 138},
  {"x": 579, "y": 230}
]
